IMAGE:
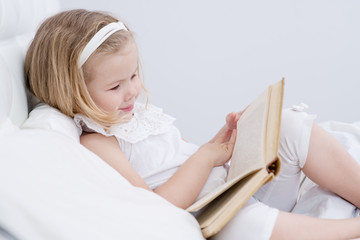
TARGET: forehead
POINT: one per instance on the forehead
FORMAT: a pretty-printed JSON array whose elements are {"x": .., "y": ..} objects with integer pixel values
[{"x": 113, "y": 66}]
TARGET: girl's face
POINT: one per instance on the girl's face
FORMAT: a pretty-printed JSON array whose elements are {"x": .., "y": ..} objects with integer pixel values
[{"x": 113, "y": 80}]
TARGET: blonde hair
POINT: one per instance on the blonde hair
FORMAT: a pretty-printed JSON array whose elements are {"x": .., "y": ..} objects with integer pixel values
[{"x": 52, "y": 71}]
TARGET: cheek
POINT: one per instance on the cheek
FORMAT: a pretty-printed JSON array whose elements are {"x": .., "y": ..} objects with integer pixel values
[
  {"x": 138, "y": 86},
  {"x": 106, "y": 101}
]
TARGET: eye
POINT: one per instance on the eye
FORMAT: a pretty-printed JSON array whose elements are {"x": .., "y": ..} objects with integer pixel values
[
  {"x": 133, "y": 76},
  {"x": 115, "y": 88}
]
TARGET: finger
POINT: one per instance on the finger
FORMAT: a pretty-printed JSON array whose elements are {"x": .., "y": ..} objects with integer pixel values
[
  {"x": 223, "y": 137},
  {"x": 230, "y": 117},
  {"x": 230, "y": 145},
  {"x": 231, "y": 120},
  {"x": 233, "y": 137}
]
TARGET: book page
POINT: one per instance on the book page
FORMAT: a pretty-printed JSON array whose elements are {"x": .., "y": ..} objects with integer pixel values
[
  {"x": 244, "y": 160},
  {"x": 254, "y": 130},
  {"x": 272, "y": 138},
  {"x": 215, "y": 193},
  {"x": 250, "y": 128},
  {"x": 222, "y": 209}
]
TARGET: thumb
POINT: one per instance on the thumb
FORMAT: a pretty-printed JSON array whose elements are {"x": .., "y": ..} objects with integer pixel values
[
  {"x": 231, "y": 120},
  {"x": 233, "y": 137}
]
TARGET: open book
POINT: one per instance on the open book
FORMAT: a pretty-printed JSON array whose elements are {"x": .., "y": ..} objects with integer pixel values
[{"x": 254, "y": 161}]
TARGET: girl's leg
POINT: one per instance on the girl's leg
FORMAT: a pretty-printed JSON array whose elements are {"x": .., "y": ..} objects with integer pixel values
[
  {"x": 329, "y": 165},
  {"x": 282, "y": 192},
  {"x": 255, "y": 220},
  {"x": 295, "y": 226},
  {"x": 258, "y": 221}
]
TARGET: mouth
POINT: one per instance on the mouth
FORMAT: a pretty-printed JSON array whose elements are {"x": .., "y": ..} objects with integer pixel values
[{"x": 128, "y": 108}]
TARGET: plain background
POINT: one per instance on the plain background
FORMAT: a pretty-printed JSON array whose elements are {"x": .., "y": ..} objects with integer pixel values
[{"x": 203, "y": 59}]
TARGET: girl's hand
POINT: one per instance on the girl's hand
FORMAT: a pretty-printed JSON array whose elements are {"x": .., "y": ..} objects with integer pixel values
[
  {"x": 220, "y": 148},
  {"x": 222, "y": 145},
  {"x": 231, "y": 124}
]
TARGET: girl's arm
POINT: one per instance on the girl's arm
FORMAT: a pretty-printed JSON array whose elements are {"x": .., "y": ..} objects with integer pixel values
[
  {"x": 185, "y": 185},
  {"x": 108, "y": 149}
]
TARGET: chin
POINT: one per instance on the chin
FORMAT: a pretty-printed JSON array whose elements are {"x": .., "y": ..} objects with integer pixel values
[{"x": 126, "y": 116}]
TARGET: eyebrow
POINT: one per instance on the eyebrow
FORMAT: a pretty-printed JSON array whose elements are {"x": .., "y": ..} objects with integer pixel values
[{"x": 121, "y": 80}]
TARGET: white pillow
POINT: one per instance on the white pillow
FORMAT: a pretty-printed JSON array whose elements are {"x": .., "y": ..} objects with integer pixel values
[
  {"x": 48, "y": 118},
  {"x": 7, "y": 128},
  {"x": 53, "y": 188}
]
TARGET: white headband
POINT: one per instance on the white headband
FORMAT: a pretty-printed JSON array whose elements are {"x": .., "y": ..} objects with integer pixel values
[{"x": 98, "y": 39}]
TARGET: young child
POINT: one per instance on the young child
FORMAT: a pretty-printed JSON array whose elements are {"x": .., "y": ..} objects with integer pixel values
[{"x": 86, "y": 65}]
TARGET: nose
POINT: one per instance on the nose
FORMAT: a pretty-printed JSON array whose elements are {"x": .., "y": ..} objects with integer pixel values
[{"x": 131, "y": 90}]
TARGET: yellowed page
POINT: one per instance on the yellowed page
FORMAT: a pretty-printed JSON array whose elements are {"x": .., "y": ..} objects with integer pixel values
[
  {"x": 244, "y": 160},
  {"x": 273, "y": 122},
  {"x": 213, "y": 194},
  {"x": 250, "y": 129}
]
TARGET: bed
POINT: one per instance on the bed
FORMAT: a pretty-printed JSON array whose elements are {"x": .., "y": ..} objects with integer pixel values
[
  {"x": 50, "y": 186},
  {"x": 53, "y": 188}
]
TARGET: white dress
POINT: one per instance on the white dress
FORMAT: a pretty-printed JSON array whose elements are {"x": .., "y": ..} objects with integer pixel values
[
  {"x": 152, "y": 144},
  {"x": 155, "y": 149}
]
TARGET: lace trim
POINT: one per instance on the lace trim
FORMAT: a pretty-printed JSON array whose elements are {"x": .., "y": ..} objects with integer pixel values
[{"x": 147, "y": 121}]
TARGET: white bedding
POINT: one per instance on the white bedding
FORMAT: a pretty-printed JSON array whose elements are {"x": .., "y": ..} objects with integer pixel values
[
  {"x": 318, "y": 202},
  {"x": 313, "y": 200}
]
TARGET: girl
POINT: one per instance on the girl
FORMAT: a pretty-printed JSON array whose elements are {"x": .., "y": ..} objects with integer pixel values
[{"x": 86, "y": 65}]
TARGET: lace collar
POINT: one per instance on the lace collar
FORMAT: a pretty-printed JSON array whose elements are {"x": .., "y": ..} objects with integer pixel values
[{"x": 148, "y": 120}]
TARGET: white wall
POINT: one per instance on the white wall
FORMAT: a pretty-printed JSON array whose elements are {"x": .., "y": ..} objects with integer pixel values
[{"x": 203, "y": 59}]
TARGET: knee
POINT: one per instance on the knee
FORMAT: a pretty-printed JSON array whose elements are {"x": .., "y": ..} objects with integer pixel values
[
  {"x": 291, "y": 124},
  {"x": 295, "y": 134}
]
